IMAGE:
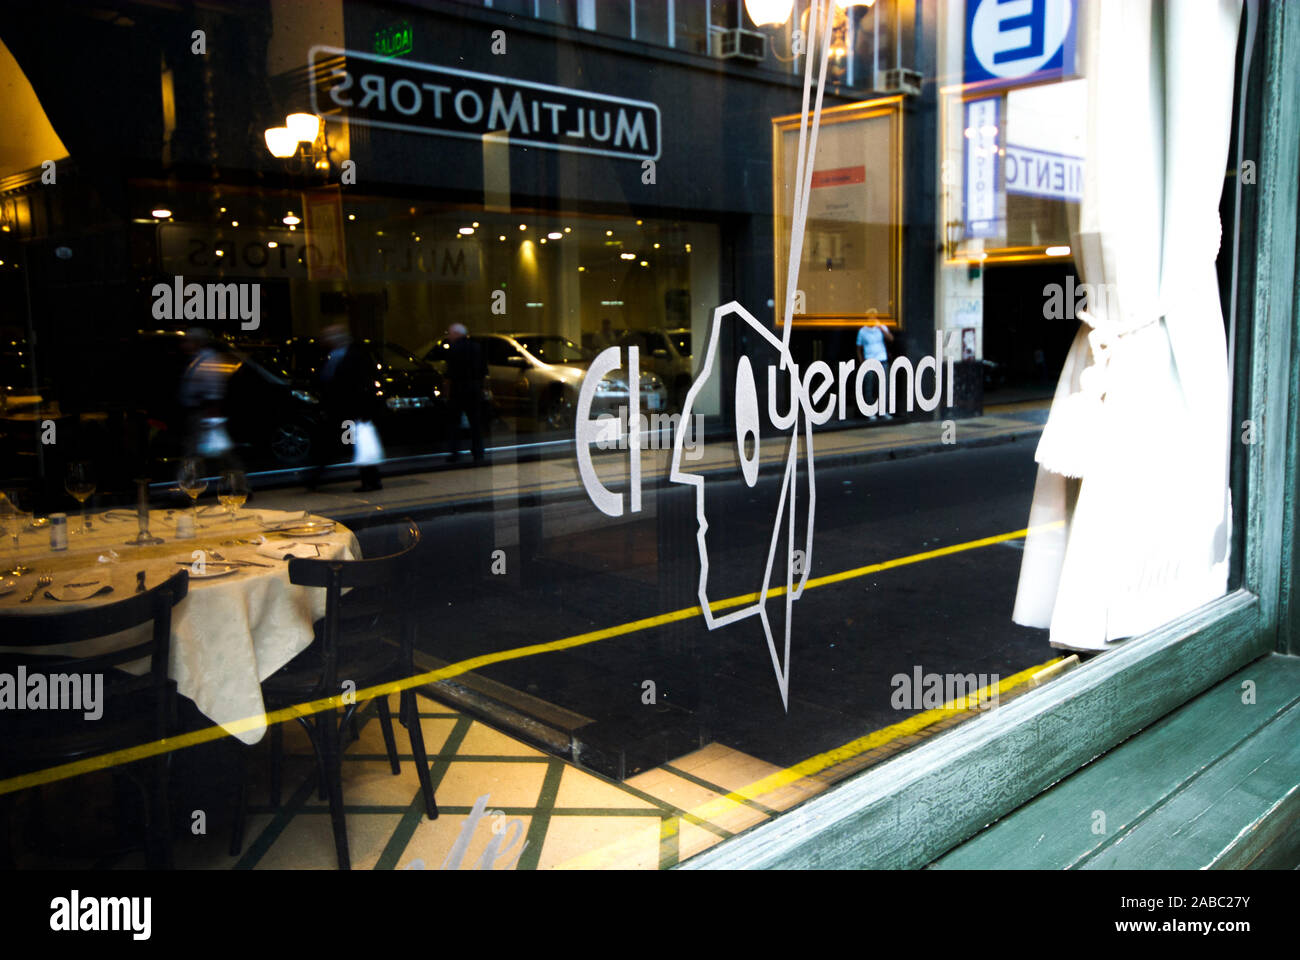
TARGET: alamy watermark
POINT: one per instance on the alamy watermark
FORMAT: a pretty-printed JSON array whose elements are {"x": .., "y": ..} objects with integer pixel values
[
  {"x": 56, "y": 691},
  {"x": 656, "y": 432},
  {"x": 179, "y": 300},
  {"x": 930, "y": 691}
]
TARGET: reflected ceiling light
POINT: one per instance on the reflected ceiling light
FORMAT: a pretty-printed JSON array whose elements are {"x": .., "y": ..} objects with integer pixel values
[
  {"x": 645, "y": 263},
  {"x": 474, "y": 224},
  {"x": 222, "y": 210},
  {"x": 502, "y": 237},
  {"x": 234, "y": 223},
  {"x": 582, "y": 269},
  {"x": 162, "y": 213},
  {"x": 281, "y": 142},
  {"x": 466, "y": 231},
  {"x": 417, "y": 239},
  {"x": 638, "y": 223},
  {"x": 290, "y": 219},
  {"x": 304, "y": 127},
  {"x": 1057, "y": 251},
  {"x": 627, "y": 256},
  {"x": 769, "y": 12},
  {"x": 543, "y": 240},
  {"x": 609, "y": 233},
  {"x": 568, "y": 229},
  {"x": 688, "y": 248},
  {"x": 656, "y": 246},
  {"x": 272, "y": 244},
  {"x": 523, "y": 226},
  {"x": 352, "y": 216},
  {"x": 555, "y": 235},
  {"x": 221, "y": 253}
]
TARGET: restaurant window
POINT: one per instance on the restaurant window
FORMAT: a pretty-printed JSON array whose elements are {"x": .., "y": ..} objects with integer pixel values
[{"x": 764, "y": 463}]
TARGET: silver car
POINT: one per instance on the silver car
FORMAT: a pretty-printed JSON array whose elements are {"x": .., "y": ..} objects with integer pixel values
[{"x": 537, "y": 376}]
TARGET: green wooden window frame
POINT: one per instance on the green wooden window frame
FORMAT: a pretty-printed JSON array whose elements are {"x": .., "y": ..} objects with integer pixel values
[{"x": 907, "y": 812}]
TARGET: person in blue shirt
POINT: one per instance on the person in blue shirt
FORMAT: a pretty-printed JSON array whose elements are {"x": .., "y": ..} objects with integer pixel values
[{"x": 872, "y": 338}]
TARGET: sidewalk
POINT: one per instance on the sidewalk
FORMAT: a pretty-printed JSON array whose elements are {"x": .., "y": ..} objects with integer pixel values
[{"x": 451, "y": 489}]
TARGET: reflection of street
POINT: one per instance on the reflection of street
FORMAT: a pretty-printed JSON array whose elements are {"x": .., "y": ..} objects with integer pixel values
[{"x": 949, "y": 614}]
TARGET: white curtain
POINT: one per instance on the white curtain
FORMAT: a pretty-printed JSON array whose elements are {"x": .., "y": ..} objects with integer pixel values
[{"x": 1130, "y": 518}]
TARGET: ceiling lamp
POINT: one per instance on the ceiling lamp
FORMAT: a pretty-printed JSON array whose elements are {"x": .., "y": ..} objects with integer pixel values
[
  {"x": 769, "y": 12},
  {"x": 162, "y": 213}
]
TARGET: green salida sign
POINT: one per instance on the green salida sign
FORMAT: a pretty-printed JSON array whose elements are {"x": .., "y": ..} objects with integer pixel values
[{"x": 394, "y": 40}]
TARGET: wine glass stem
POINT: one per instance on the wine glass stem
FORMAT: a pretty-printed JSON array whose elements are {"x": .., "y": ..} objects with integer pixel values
[{"x": 85, "y": 525}]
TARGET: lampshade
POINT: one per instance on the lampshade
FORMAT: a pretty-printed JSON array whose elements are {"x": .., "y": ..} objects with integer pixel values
[
  {"x": 769, "y": 12},
  {"x": 844, "y": 4},
  {"x": 281, "y": 142},
  {"x": 303, "y": 126}
]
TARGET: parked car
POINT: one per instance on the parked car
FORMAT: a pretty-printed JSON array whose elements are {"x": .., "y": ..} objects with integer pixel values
[
  {"x": 132, "y": 384},
  {"x": 668, "y": 354},
  {"x": 411, "y": 388},
  {"x": 538, "y": 375}
]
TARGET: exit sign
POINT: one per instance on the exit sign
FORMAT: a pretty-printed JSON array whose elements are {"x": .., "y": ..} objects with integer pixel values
[{"x": 395, "y": 40}]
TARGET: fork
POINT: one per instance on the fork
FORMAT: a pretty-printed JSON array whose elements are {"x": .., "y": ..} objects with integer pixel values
[{"x": 43, "y": 581}]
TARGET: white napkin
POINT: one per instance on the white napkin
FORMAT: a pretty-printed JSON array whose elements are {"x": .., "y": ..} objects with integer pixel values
[
  {"x": 281, "y": 518},
  {"x": 279, "y": 550},
  {"x": 79, "y": 587}
]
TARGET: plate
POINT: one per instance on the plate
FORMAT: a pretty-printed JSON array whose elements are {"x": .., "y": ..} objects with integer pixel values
[
  {"x": 310, "y": 529},
  {"x": 214, "y": 569}
]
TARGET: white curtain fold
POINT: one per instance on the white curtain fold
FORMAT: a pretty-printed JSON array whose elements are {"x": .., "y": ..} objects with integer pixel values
[{"x": 1130, "y": 516}]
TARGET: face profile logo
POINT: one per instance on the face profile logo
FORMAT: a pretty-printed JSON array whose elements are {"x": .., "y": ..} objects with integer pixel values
[
  {"x": 796, "y": 557},
  {"x": 787, "y": 517}
]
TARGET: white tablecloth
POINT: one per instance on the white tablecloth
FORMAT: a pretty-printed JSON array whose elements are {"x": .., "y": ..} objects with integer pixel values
[{"x": 228, "y": 635}]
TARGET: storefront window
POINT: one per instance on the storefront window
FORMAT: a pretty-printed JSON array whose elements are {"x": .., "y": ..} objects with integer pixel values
[{"x": 740, "y": 465}]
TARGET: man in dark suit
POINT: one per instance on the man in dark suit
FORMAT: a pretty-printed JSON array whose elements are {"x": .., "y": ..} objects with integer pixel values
[
  {"x": 348, "y": 392},
  {"x": 466, "y": 382}
]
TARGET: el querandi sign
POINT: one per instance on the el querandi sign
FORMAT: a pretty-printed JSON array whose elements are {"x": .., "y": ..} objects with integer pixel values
[{"x": 446, "y": 102}]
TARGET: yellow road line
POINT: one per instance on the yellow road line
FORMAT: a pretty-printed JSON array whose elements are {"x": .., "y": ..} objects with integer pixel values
[
  {"x": 620, "y": 852},
  {"x": 194, "y": 738}
]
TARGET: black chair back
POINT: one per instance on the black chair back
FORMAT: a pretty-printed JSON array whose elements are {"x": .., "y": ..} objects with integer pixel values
[
  {"x": 35, "y": 632},
  {"x": 391, "y": 574}
]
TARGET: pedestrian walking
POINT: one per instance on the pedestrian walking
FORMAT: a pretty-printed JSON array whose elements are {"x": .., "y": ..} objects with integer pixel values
[{"x": 466, "y": 387}]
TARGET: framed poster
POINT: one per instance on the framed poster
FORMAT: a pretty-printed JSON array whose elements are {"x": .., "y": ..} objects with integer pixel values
[{"x": 851, "y": 267}]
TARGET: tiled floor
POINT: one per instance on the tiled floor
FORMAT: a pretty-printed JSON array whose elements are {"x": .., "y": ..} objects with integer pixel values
[{"x": 539, "y": 812}]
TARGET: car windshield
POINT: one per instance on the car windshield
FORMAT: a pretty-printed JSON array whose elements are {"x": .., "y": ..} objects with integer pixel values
[{"x": 553, "y": 349}]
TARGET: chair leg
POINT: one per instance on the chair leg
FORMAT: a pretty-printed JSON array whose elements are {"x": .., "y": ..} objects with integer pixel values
[
  {"x": 332, "y": 777},
  {"x": 159, "y": 814},
  {"x": 410, "y": 711},
  {"x": 277, "y": 749},
  {"x": 386, "y": 724},
  {"x": 241, "y": 797}
]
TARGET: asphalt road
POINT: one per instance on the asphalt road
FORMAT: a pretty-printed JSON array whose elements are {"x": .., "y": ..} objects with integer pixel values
[{"x": 570, "y": 570}]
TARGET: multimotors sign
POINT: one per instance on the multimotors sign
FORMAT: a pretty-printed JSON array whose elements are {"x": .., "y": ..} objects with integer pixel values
[{"x": 423, "y": 98}]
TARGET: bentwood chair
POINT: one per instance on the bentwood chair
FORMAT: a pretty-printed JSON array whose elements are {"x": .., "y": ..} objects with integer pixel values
[
  {"x": 366, "y": 637},
  {"x": 136, "y": 710}
]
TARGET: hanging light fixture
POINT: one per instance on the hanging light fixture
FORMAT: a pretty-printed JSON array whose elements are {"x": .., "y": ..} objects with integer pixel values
[
  {"x": 281, "y": 142},
  {"x": 845, "y": 4},
  {"x": 305, "y": 127},
  {"x": 769, "y": 12}
]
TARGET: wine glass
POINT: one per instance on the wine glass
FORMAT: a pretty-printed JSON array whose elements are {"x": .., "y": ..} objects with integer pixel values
[
  {"x": 192, "y": 483},
  {"x": 232, "y": 491},
  {"x": 14, "y": 520},
  {"x": 80, "y": 484}
]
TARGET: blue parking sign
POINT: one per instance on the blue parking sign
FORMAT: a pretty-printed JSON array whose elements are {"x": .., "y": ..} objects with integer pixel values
[{"x": 1012, "y": 42}]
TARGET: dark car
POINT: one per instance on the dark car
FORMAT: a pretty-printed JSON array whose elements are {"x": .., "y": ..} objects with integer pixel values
[
  {"x": 411, "y": 388},
  {"x": 133, "y": 386}
]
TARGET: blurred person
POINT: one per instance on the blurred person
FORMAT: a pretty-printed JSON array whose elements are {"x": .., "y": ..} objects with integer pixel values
[
  {"x": 348, "y": 391},
  {"x": 202, "y": 395},
  {"x": 606, "y": 337},
  {"x": 872, "y": 337},
  {"x": 466, "y": 384}
]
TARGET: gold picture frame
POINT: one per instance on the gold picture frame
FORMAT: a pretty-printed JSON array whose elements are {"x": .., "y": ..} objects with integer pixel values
[{"x": 860, "y": 214}]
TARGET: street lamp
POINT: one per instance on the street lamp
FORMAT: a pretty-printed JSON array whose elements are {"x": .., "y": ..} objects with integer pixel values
[
  {"x": 299, "y": 128},
  {"x": 769, "y": 12}
]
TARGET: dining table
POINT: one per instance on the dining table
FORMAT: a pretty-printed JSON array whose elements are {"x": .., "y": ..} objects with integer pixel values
[{"x": 241, "y": 620}]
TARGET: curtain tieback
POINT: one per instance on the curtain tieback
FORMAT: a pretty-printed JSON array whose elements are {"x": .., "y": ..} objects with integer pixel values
[{"x": 1103, "y": 338}]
